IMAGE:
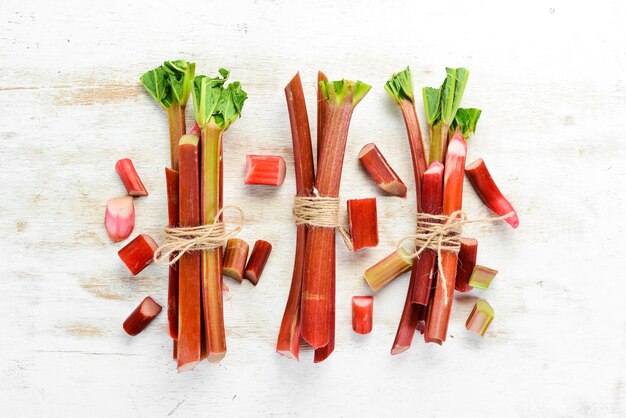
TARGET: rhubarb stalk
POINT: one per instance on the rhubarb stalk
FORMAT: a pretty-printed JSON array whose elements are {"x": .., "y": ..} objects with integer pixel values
[
  {"x": 189, "y": 263},
  {"x": 441, "y": 106},
  {"x": 488, "y": 191},
  {"x": 216, "y": 106},
  {"x": 387, "y": 269},
  {"x": 341, "y": 98},
  {"x": 288, "y": 343},
  {"x": 400, "y": 88},
  {"x": 466, "y": 264},
  {"x": 452, "y": 201},
  {"x": 172, "y": 183},
  {"x": 170, "y": 86}
]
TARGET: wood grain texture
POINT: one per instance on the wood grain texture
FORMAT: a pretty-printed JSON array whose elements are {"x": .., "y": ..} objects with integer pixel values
[{"x": 550, "y": 80}]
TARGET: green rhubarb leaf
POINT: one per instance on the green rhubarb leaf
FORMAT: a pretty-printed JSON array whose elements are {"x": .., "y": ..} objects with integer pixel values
[
  {"x": 337, "y": 92},
  {"x": 452, "y": 92},
  {"x": 155, "y": 82},
  {"x": 431, "y": 97},
  {"x": 465, "y": 121},
  {"x": 213, "y": 101},
  {"x": 400, "y": 86},
  {"x": 180, "y": 78}
]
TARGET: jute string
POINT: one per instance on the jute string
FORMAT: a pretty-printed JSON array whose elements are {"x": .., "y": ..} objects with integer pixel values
[
  {"x": 442, "y": 233},
  {"x": 208, "y": 237},
  {"x": 320, "y": 212}
]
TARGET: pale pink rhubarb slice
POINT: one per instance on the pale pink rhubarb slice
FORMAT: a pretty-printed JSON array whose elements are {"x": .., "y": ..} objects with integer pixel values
[{"x": 119, "y": 218}]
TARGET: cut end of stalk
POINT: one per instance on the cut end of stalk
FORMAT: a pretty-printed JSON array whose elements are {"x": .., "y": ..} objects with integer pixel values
[
  {"x": 289, "y": 354},
  {"x": 215, "y": 357},
  {"x": 386, "y": 270},
  {"x": 119, "y": 218},
  {"x": 399, "y": 349},
  {"x": 186, "y": 367},
  {"x": 482, "y": 277},
  {"x": 480, "y": 318},
  {"x": 266, "y": 170}
]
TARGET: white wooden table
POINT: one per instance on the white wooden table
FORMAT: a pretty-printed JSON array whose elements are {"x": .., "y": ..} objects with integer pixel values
[{"x": 549, "y": 77}]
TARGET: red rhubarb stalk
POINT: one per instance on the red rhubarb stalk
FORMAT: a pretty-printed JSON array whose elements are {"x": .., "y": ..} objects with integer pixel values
[
  {"x": 488, "y": 191},
  {"x": 432, "y": 200},
  {"x": 216, "y": 106},
  {"x": 362, "y": 311},
  {"x": 466, "y": 264},
  {"x": 119, "y": 218},
  {"x": 258, "y": 259},
  {"x": 189, "y": 263},
  {"x": 138, "y": 253},
  {"x": 288, "y": 343},
  {"x": 265, "y": 170},
  {"x": 172, "y": 183},
  {"x": 321, "y": 114},
  {"x": 380, "y": 170},
  {"x": 341, "y": 98},
  {"x": 235, "y": 258},
  {"x": 363, "y": 223},
  {"x": 126, "y": 170},
  {"x": 143, "y": 314},
  {"x": 452, "y": 202},
  {"x": 400, "y": 88},
  {"x": 322, "y": 353}
]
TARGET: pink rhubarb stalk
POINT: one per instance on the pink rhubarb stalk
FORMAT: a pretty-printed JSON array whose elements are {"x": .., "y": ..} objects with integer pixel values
[
  {"x": 119, "y": 218},
  {"x": 489, "y": 193},
  {"x": 452, "y": 202}
]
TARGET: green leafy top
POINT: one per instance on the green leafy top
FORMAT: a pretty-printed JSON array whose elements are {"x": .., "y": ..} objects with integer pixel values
[
  {"x": 170, "y": 83},
  {"x": 432, "y": 106},
  {"x": 452, "y": 92},
  {"x": 338, "y": 91},
  {"x": 214, "y": 102},
  {"x": 400, "y": 86},
  {"x": 465, "y": 120}
]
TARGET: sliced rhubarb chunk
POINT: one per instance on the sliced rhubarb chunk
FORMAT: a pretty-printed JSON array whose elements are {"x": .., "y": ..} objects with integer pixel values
[
  {"x": 138, "y": 253},
  {"x": 482, "y": 277},
  {"x": 130, "y": 178},
  {"x": 266, "y": 170},
  {"x": 363, "y": 223},
  {"x": 480, "y": 318},
  {"x": 362, "y": 311},
  {"x": 143, "y": 314},
  {"x": 235, "y": 258},
  {"x": 258, "y": 260},
  {"x": 387, "y": 269},
  {"x": 466, "y": 263},
  {"x": 380, "y": 170},
  {"x": 119, "y": 218}
]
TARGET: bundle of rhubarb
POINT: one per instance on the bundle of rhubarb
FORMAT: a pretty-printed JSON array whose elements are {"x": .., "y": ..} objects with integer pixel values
[
  {"x": 439, "y": 191},
  {"x": 195, "y": 194},
  {"x": 310, "y": 309}
]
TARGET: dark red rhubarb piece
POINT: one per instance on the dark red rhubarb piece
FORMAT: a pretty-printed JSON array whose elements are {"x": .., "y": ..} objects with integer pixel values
[
  {"x": 266, "y": 170},
  {"x": 189, "y": 264},
  {"x": 363, "y": 223},
  {"x": 172, "y": 185},
  {"x": 130, "y": 178},
  {"x": 362, "y": 311},
  {"x": 143, "y": 314},
  {"x": 465, "y": 265},
  {"x": 258, "y": 259},
  {"x": 380, "y": 170},
  {"x": 288, "y": 343},
  {"x": 138, "y": 253},
  {"x": 488, "y": 191}
]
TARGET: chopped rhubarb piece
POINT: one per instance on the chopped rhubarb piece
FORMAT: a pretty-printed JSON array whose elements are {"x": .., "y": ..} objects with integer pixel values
[
  {"x": 387, "y": 269},
  {"x": 138, "y": 253},
  {"x": 362, "y": 310},
  {"x": 288, "y": 342},
  {"x": 439, "y": 314},
  {"x": 482, "y": 277},
  {"x": 119, "y": 218},
  {"x": 380, "y": 170},
  {"x": 480, "y": 317},
  {"x": 235, "y": 258},
  {"x": 265, "y": 169},
  {"x": 466, "y": 263},
  {"x": 363, "y": 223},
  {"x": 130, "y": 178},
  {"x": 258, "y": 259},
  {"x": 189, "y": 264},
  {"x": 143, "y": 314},
  {"x": 488, "y": 191}
]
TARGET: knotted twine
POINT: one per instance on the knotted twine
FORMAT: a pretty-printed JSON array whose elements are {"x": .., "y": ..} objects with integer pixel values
[
  {"x": 323, "y": 212},
  {"x": 442, "y": 233},
  {"x": 210, "y": 237}
]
